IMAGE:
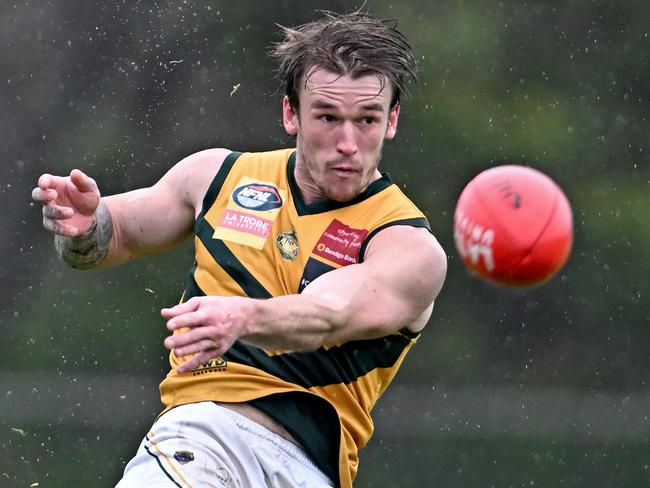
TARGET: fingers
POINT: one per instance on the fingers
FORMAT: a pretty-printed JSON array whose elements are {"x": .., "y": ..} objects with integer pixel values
[
  {"x": 208, "y": 346},
  {"x": 199, "y": 330},
  {"x": 191, "y": 336},
  {"x": 82, "y": 181},
  {"x": 195, "y": 362},
  {"x": 44, "y": 196},
  {"x": 52, "y": 216},
  {"x": 45, "y": 192},
  {"x": 48, "y": 181},
  {"x": 182, "y": 308},
  {"x": 186, "y": 320},
  {"x": 49, "y": 186},
  {"x": 58, "y": 227},
  {"x": 202, "y": 348},
  {"x": 57, "y": 212}
]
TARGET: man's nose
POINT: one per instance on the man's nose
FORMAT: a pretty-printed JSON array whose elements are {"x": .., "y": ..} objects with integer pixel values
[{"x": 347, "y": 142}]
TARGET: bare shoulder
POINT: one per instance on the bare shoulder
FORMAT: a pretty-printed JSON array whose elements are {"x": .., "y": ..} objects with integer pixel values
[
  {"x": 191, "y": 176},
  {"x": 408, "y": 241},
  {"x": 413, "y": 256}
]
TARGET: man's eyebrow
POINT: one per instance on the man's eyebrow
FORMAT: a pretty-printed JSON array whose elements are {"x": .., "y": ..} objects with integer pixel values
[
  {"x": 373, "y": 107},
  {"x": 322, "y": 104},
  {"x": 370, "y": 107}
]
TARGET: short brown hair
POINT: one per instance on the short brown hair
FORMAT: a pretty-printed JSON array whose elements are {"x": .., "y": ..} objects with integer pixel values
[{"x": 353, "y": 44}]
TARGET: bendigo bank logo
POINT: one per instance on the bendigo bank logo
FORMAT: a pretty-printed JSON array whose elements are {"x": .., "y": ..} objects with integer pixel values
[
  {"x": 340, "y": 244},
  {"x": 257, "y": 196}
]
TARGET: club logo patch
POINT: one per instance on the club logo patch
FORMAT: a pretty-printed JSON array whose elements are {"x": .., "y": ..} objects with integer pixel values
[
  {"x": 287, "y": 244},
  {"x": 257, "y": 196}
]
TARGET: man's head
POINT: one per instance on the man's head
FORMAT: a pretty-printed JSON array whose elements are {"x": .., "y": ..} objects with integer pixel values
[
  {"x": 354, "y": 44},
  {"x": 343, "y": 75}
]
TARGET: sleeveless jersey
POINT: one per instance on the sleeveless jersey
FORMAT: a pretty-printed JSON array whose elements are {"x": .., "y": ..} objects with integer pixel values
[{"x": 256, "y": 237}]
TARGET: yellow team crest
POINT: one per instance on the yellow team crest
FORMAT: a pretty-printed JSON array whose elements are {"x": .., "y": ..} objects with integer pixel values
[{"x": 287, "y": 244}]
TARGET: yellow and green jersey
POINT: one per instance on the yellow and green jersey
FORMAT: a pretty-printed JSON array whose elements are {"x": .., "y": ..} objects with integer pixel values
[{"x": 256, "y": 237}]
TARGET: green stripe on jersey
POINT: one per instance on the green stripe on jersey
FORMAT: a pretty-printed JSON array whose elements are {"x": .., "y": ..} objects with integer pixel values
[
  {"x": 339, "y": 364},
  {"x": 216, "y": 185},
  {"x": 230, "y": 264},
  {"x": 192, "y": 289}
]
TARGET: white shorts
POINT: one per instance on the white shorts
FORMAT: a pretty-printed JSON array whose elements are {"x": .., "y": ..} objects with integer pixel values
[{"x": 204, "y": 445}]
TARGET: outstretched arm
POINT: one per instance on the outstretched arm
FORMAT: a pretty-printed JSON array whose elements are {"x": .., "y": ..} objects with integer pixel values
[
  {"x": 91, "y": 231},
  {"x": 394, "y": 287}
]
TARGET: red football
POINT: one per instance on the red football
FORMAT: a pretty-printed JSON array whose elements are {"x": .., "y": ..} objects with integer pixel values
[{"x": 513, "y": 225}]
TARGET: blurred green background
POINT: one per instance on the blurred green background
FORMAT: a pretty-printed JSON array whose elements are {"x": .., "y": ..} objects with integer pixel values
[{"x": 540, "y": 387}]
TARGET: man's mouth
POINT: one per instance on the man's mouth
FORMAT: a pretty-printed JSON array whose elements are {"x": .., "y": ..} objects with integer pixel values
[{"x": 344, "y": 171}]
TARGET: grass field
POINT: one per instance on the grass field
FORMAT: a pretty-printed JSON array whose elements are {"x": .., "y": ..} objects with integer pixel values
[
  {"x": 89, "y": 457},
  {"x": 73, "y": 431}
]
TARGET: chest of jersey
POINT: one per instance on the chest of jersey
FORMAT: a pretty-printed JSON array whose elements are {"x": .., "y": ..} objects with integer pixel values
[{"x": 257, "y": 238}]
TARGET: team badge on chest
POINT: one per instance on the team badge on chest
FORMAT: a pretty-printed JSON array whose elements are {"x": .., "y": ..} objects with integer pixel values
[{"x": 287, "y": 244}]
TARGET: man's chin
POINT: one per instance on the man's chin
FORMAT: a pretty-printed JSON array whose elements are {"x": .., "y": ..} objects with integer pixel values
[
  {"x": 343, "y": 197},
  {"x": 343, "y": 191}
]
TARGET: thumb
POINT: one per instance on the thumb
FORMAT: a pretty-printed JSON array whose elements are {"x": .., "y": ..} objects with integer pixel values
[{"x": 83, "y": 182}]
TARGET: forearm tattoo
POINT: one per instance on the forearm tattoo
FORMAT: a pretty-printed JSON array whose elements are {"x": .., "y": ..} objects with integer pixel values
[{"x": 88, "y": 249}]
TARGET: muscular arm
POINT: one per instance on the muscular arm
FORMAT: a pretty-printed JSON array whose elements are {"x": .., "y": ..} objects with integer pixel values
[
  {"x": 395, "y": 287},
  {"x": 144, "y": 221}
]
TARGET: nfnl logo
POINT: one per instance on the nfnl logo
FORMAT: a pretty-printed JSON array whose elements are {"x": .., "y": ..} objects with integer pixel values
[{"x": 257, "y": 196}]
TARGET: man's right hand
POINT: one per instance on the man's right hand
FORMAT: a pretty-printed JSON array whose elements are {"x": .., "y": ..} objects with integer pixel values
[
  {"x": 93, "y": 232},
  {"x": 69, "y": 202}
]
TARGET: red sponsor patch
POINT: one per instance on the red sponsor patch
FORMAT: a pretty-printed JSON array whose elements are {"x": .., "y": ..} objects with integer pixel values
[
  {"x": 340, "y": 244},
  {"x": 245, "y": 222}
]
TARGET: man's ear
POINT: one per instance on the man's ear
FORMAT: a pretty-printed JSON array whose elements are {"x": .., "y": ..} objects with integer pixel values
[
  {"x": 393, "y": 116},
  {"x": 289, "y": 117}
]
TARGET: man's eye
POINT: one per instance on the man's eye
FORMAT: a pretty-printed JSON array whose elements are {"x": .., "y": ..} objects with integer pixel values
[{"x": 328, "y": 118}]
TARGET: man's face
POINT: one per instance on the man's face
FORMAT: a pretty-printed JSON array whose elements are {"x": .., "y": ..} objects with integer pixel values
[{"x": 339, "y": 133}]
